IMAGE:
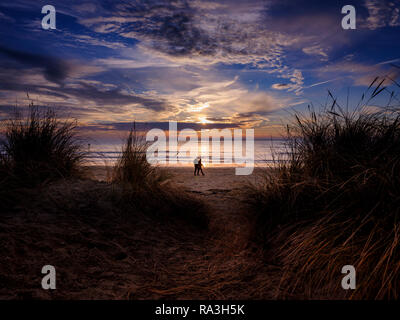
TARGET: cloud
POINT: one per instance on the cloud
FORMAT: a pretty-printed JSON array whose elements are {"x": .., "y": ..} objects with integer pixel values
[
  {"x": 86, "y": 7},
  {"x": 382, "y": 13},
  {"x": 296, "y": 82},
  {"x": 322, "y": 82},
  {"x": 361, "y": 74},
  {"x": 209, "y": 34},
  {"x": 145, "y": 126},
  {"x": 316, "y": 50},
  {"x": 281, "y": 86},
  {"x": 388, "y": 61},
  {"x": 113, "y": 97},
  {"x": 192, "y": 32},
  {"x": 6, "y": 18},
  {"x": 85, "y": 39},
  {"x": 92, "y": 96},
  {"x": 55, "y": 70},
  {"x": 162, "y": 60}
]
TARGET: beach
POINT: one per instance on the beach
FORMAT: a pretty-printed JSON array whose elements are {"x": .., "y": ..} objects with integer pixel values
[
  {"x": 291, "y": 109},
  {"x": 103, "y": 254},
  {"x": 216, "y": 179}
]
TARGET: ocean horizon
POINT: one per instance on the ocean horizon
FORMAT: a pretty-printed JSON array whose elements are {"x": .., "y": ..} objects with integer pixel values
[{"x": 266, "y": 152}]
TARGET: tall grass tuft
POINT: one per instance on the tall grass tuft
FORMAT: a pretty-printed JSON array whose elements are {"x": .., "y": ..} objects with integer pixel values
[
  {"x": 148, "y": 188},
  {"x": 335, "y": 201},
  {"x": 132, "y": 166},
  {"x": 39, "y": 148}
]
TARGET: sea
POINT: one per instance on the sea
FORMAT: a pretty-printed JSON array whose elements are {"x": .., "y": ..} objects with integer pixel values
[{"x": 266, "y": 152}]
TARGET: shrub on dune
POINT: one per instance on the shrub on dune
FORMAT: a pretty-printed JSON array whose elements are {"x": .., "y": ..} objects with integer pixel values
[
  {"x": 147, "y": 188},
  {"x": 132, "y": 166},
  {"x": 39, "y": 148},
  {"x": 335, "y": 202}
]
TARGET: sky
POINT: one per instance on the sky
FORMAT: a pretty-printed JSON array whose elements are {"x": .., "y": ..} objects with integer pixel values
[{"x": 205, "y": 64}]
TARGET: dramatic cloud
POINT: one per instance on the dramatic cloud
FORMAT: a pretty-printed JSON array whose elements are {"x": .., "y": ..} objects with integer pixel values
[
  {"x": 192, "y": 33},
  {"x": 145, "y": 126},
  {"x": 55, "y": 70},
  {"x": 224, "y": 63}
]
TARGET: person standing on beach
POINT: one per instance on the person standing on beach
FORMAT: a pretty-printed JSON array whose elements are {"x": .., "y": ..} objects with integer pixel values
[{"x": 198, "y": 166}]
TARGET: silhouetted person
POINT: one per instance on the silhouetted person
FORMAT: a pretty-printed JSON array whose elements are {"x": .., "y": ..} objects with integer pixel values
[{"x": 198, "y": 166}]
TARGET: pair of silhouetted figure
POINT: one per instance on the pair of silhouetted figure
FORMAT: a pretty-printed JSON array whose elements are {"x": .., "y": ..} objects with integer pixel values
[{"x": 198, "y": 166}]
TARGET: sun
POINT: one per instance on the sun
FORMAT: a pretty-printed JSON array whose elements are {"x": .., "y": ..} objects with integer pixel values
[{"x": 203, "y": 120}]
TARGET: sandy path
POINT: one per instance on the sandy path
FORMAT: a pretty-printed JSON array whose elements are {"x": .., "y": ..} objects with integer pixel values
[
  {"x": 220, "y": 190},
  {"x": 225, "y": 265}
]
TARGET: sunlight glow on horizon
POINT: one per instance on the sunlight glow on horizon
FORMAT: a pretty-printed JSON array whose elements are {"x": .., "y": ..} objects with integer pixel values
[{"x": 203, "y": 120}]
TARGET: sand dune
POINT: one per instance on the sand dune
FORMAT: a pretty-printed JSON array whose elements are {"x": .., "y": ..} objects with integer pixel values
[{"x": 102, "y": 253}]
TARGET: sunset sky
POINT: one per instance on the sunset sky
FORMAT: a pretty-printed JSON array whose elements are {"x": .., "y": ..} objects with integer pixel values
[{"x": 205, "y": 63}]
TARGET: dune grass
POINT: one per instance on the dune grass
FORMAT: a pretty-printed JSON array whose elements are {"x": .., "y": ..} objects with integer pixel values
[
  {"x": 145, "y": 186},
  {"x": 36, "y": 149},
  {"x": 132, "y": 166},
  {"x": 40, "y": 147},
  {"x": 335, "y": 202}
]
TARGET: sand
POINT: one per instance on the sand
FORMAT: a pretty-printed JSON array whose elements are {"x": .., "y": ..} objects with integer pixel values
[
  {"x": 215, "y": 180},
  {"x": 112, "y": 257}
]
